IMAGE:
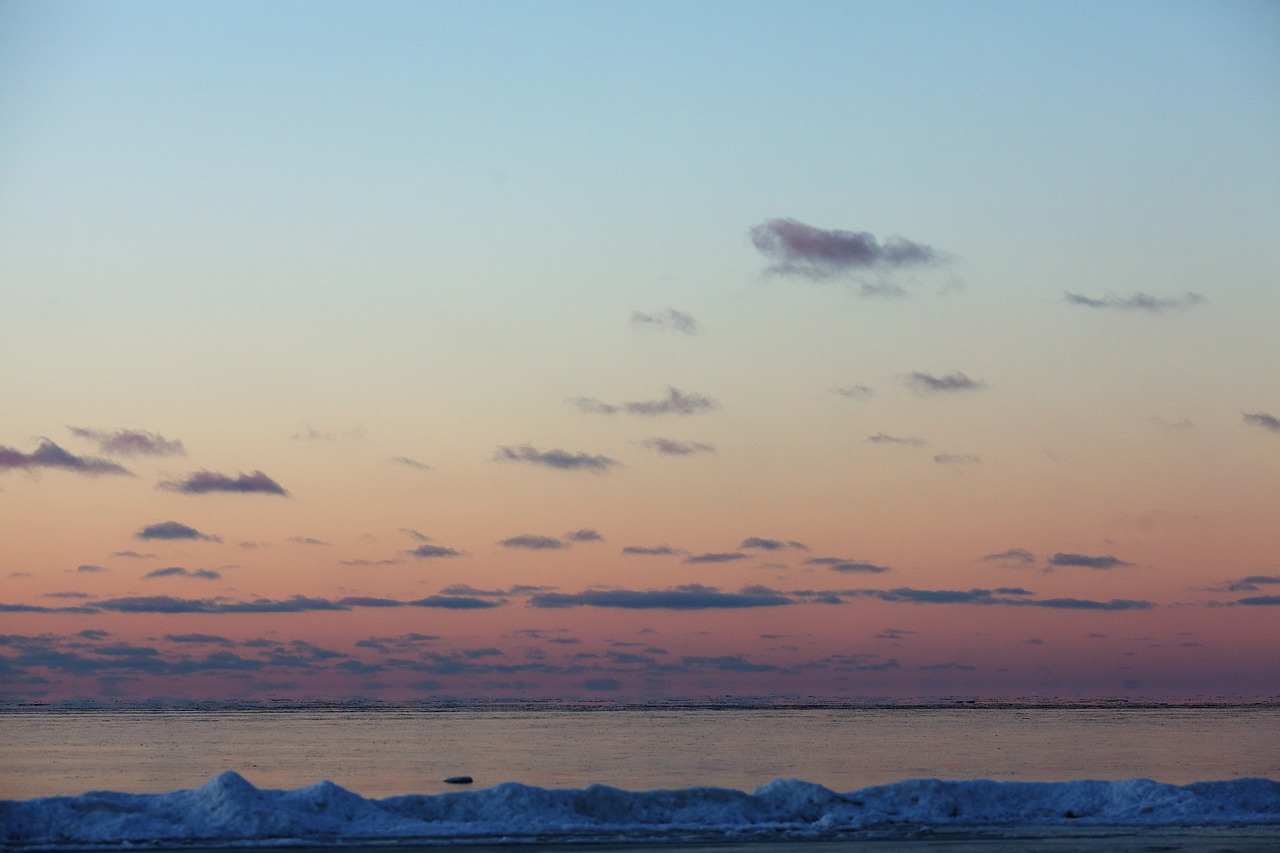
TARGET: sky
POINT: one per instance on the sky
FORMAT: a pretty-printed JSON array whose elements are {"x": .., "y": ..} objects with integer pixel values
[{"x": 637, "y": 351}]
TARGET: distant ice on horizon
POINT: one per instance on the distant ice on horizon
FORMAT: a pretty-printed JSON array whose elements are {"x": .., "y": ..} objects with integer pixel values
[{"x": 229, "y": 811}]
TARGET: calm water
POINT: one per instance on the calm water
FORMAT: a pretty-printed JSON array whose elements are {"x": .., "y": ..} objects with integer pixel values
[{"x": 384, "y": 752}]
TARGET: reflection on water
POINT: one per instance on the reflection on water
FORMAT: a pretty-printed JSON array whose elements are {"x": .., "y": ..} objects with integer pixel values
[{"x": 385, "y": 752}]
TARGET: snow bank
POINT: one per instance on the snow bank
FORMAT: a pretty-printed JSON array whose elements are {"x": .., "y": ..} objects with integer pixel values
[{"x": 229, "y": 811}]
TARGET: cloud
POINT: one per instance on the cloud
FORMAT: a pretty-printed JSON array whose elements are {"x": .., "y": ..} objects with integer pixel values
[
  {"x": 601, "y": 685},
  {"x": 294, "y": 604},
  {"x": 728, "y": 663},
  {"x": 1252, "y": 582},
  {"x": 560, "y": 459},
  {"x": 536, "y": 543},
  {"x": 676, "y": 402},
  {"x": 840, "y": 564},
  {"x": 957, "y": 459},
  {"x": 771, "y": 544},
  {"x": 656, "y": 551},
  {"x": 173, "y": 530},
  {"x": 130, "y": 442},
  {"x": 179, "y": 571},
  {"x": 426, "y": 552},
  {"x": 1262, "y": 419},
  {"x": 1261, "y": 600},
  {"x": 949, "y": 665},
  {"x": 586, "y": 534},
  {"x": 1013, "y": 555},
  {"x": 1105, "y": 562},
  {"x": 815, "y": 253},
  {"x": 855, "y": 392},
  {"x": 668, "y": 319},
  {"x": 50, "y": 455},
  {"x": 199, "y": 639},
  {"x": 133, "y": 555},
  {"x": 1137, "y": 302},
  {"x": 670, "y": 447},
  {"x": 885, "y": 438},
  {"x": 690, "y": 597},
  {"x": 88, "y": 568},
  {"x": 412, "y": 463},
  {"x": 307, "y": 540},
  {"x": 955, "y": 381},
  {"x": 204, "y": 482},
  {"x": 716, "y": 557}
]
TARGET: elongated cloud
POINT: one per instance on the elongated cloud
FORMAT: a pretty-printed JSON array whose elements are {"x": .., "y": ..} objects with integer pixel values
[
  {"x": 929, "y": 383},
  {"x": 1013, "y": 555},
  {"x": 179, "y": 571},
  {"x": 586, "y": 534},
  {"x": 534, "y": 543},
  {"x": 765, "y": 544},
  {"x": 411, "y": 463},
  {"x": 1262, "y": 419},
  {"x": 293, "y": 604},
  {"x": 173, "y": 530},
  {"x": 855, "y": 392},
  {"x": 1136, "y": 302},
  {"x": 656, "y": 551},
  {"x": 50, "y": 455},
  {"x": 816, "y": 253},
  {"x": 668, "y": 319},
  {"x": 205, "y": 482},
  {"x": 956, "y": 459},
  {"x": 562, "y": 460},
  {"x": 670, "y": 447},
  {"x": 840, "y": 564},
  {"x": 1085, "y": 561},
  {"x": 428, "y": 552},
  {"x": 130, "y": 442},
  {"x": 692, "y": 597},
  {"x": 676, "y": 402},
  {"x": 885, "y": 438},
  {"x": 716, "y": 557}
]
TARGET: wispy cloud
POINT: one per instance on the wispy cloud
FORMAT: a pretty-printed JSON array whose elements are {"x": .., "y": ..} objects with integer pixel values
[
  {"x": 655, "y": 551},
  {"x": 929, "y": 383},
  {"x": 50, "y": 455},
  {"x": 716, "y": 557},
  {"x": 668, "y": 319},
  {"x": 772, "y": 544},
  {"x": 1013, "y": 555},
  {"x": 166, "y": 530},
  {"x": 560, "y": 459},
  {"x": 676, "y": 402},
  {"x": 690, "y": 597},
  {"x": 586, "y": 534},
  {"x": 817, "y": 253},
  {"x": 429, "y": 552},
  {"x": 1262, "y": 419},
  {"x": 206, "y": 482},
  {"x": 855, "y": 392},
  {"x": 130, "y": 442},
  {"x": 1136, "y": 302},
  {"x": 534, "y": 543},
  {"x": 885, "y": 438},
  {"x": 671, "y": 447},
  {"x": 956, "y": 459},
  {"x": 1086, "y": 561},
  {"x": 841, "y": 564},
  {"x": 307, "y": 540},
  {"x": 412, "y": 463},
  {"x": 180, "y": 572}
]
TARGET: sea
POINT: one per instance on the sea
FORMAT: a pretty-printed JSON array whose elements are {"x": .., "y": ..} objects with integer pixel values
[{"x": 385, "y": 750}]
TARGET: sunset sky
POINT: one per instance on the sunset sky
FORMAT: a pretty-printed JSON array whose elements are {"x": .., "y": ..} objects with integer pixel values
[{"x": 637, "y": 350}]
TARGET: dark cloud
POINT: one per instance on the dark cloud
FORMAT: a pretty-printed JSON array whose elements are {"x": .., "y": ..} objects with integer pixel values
[
  {"x": 949, "y": 665},
  {"x": 956, "y": 459},
  {"x": 1262, "y": 419},
  {"x": 199, "y": 639},
  {"x": 130, "y": 442},
  {"x": 560, "y": 459},
  {"x": 173, "y": 530},
  {"x": 728, "y": 663},
  {"x": 1105, "y": 562},
  {"x": 1261, "y": 600},
  {"x": 690, "y": 597},
  {"x": 454, "y": 602},
  {"x": 412, "y": 463},
  {"x": 676, "y": 402},
  {"x": 656, "y": 551},
  {"x": 955, "y": 381},
  {"x": 133, "y": 555},
  {"x": 885, "y": 438},
  {"x": 179, "y": 571},
  {"x": 586, "y": 534},
  {"x": 50, "y": 455},
  {"x": 855, "y": 392},
  {"x": 668, "y": 319},
  {"x": 771, "y": 544},
  {"x": 671, "y": 447},
  {"x": 536, "y": 543},
  {"x": 803, "y": 250},
  {"x": 840, "y": 564},
  {"x": 601, "y": 685},
  {"x": 1252, "y": 582},
  {"x": 90, "y": 569},
  {"x": 1137, "y": 302},
  {"x": 716, "y": 557},
  {"x": 1084, "y": 604},
  {"x": 1015, "y": 598},
  {"x": 294, "y": 604},
  {"x": 425, "y": 552},
  {"x": 1013, "y": 555},
  {"x": 204, "y": 482},
  {"x": 388, "y": 562}
]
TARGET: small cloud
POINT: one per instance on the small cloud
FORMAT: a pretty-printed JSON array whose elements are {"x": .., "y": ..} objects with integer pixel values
[
  {"x": 1085, "y": 561},
  {"x": 173, "y": 530},
  {"x": 50, "y": 455},
  {"x": 178, "y": 571},
  {"x": 204, "y": 482},
  {"x": 536, "y": 543},
  {"x": 771, "y": 544},
  {"x": 885, "y": 438},
  {"x": 559, "y": 459},
  {"x": 199, "y": 639},
  {"x": 427, "y": 552},
  {"x": 840, "y": 564},
  {"x": 676, "y": 402},
  {"x": 309, "y": 433},
  {"x": 91, "y": 569},
  {"x": 412, "y": 463},
  {"x": 657, "y": 551},
  {"x": 949, "y": 665},
  {"x": 415, "y": 534},
  {"x": 1137, "y": 302},
  {"x": 1013, "y": 555},
  {"x": 307, "y": 540},
  {"x": 369, "y": 562},
  {"x": 816, "y": 253},
  {"x": 668, "y": 319},
  {"x": 1178, "y": 425},
  {"x": 586, "y": 534},
  {"x": 1261, "y": 419},
  {"x": 132, "y": 555},
  {"x": 601, "y": 685},
  {"x": 956, "y": 459},
  {"x": 130, "y": 442},
  {"x": 690, "y": 597},
  {"x": 956, "y": 381},
  {"x": 855, "y": 392},
  {"x": 716, "y": 557},
  {"x": 670, "y": 447}
]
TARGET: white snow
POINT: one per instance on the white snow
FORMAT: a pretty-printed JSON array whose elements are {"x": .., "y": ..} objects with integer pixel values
[{"x": 229, "y": 811}]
